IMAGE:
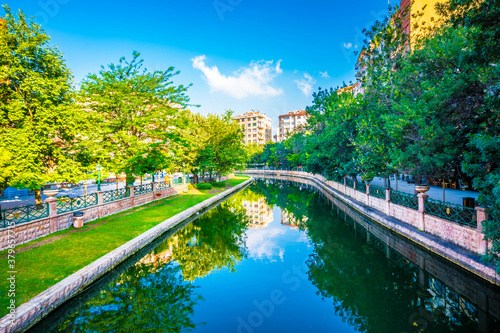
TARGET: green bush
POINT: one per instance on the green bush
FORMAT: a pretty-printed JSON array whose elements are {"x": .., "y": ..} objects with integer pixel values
[
  {"x": 203, "y": 186},
  {"x": 219, "y": 184}
]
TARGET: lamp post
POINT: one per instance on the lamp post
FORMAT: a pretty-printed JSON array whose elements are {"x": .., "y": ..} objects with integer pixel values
[{"x": 98, "y": 168}]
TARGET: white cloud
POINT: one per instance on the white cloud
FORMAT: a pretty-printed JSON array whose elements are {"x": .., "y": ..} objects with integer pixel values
[
  {"x": 348, "y": 45},
  {"x": 324, "y": 74},
  {"x": 306, "y": 84},
  {"x": 264, "y": 244},
  {"x": 254, "y": 80},
  {"x": 278, "y": 68}
]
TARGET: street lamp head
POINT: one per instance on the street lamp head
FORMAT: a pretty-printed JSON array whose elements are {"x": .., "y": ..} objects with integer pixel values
[{"x": 98, "y": 167}]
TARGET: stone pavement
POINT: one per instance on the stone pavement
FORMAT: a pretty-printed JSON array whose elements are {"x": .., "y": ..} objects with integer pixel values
[{"x": 451, "y": 195}]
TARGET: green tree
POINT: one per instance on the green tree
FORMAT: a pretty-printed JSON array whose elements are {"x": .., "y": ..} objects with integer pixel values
[
  {"x": 141, "y": 115},
  {"x": 331, "y": 150},
  {"x": 224, "y": 145},
  {"x": 38, "y": 118}
]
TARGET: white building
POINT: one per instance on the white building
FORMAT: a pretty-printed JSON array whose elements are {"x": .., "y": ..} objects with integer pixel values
[
  {"x": 290, "y": 123},
  {"x": 256, "y": 126}
]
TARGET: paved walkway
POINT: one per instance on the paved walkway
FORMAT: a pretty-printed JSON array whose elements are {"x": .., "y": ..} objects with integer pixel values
[{"x": 451, "y": 195}]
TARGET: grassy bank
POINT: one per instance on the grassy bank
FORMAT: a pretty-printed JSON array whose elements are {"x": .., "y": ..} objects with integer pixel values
[{"x": 46, "y": 261}]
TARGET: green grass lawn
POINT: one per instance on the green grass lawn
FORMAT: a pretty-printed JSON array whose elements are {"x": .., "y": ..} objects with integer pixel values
[{"x": 43, "y": 266}]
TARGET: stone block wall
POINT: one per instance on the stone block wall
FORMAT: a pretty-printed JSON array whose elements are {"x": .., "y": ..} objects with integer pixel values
[{"x": 26, "y": 232}]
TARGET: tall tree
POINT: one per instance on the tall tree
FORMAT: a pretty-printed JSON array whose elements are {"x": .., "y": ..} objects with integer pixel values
[
  {"x": 38, "y": 120},
  {"x": 141, "y": 115},
  {"x": 226, "y": 144}
]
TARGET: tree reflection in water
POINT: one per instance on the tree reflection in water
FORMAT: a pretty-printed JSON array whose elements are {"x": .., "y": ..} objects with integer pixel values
[
  {"x": 368, "y": 291},
  {"x": 149, "y": 297},
  {"x": 214, "y": 241}
]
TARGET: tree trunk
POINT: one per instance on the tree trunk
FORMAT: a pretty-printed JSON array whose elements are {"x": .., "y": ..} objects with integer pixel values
[
  {"x": 397, "y": 177},
  {"x": 195, "y": 178},
  {"x": 38, "y": 196},
  {"x": 141, "y": 180},
  {"x": 218, "y": 177}
]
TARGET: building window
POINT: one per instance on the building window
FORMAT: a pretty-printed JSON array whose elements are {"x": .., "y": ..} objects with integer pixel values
[{"x": 254, "y": 124}]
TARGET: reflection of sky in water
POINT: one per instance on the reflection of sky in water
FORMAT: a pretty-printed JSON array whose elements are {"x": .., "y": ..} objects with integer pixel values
[{"x": 269, "y": 242}]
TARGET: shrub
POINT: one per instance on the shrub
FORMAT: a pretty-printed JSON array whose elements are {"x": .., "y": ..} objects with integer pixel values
[
  {"x": 203, "y": 186},
  {"x": 219, "y": 184}
]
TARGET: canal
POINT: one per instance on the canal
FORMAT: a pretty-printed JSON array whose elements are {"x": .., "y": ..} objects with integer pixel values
[{"x": 281, "y": 256}]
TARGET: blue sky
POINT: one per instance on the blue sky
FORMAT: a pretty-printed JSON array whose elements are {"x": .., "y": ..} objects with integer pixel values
[{"x": 239, "y": 54}]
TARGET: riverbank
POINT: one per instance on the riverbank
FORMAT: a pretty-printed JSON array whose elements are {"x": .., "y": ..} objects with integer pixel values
[
  {"x": 52, "y": 261},
  {"x": 468, "y": 260}
]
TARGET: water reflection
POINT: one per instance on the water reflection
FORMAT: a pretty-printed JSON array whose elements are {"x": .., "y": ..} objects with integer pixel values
[
  {"x": 372, "y": 286},
  {"x": 150, "y": 297},
  {"x": 213, "y": 242},
  {"x": 209, "y": 275}
]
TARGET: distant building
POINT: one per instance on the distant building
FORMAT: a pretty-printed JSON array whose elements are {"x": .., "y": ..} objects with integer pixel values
[
  {"x": 414, "y": 26},
  {"x": 290, "y": 123},
  {"x": 256, "y": 126}
]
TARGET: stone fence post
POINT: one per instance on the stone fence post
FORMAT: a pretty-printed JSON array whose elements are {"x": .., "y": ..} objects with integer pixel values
[
  {"x": 388, "y": 200},
  {"x": 131, "y": 191},
  {"x": 421, "y": 211},
  {"x": 100, "y": 197},
  {"x": 368, "y": 194},
  {"x": 481, "y": 216},
  {"x": 52, "y": 203},
  {"x": 354, "y": 185},
  {"x": 155, "y": 185},
  {"x": 345, "y": 185}
]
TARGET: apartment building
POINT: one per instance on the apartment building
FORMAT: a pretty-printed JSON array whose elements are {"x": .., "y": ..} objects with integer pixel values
[
  {"x": 418, "y": 16},
  {"x": 290, "y": 123},
  {"x": 256, "y": 126}
]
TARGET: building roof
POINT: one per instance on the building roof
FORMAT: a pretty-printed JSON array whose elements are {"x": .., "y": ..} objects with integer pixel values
[
  {"x": 294, "y": 113},
  {"x": 252, "y": 114}
]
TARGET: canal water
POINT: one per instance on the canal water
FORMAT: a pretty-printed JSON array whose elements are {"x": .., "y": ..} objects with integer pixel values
[{"x": 281, "y": 256}]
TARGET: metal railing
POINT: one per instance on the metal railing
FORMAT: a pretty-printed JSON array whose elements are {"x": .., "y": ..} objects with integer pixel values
[
  {"x": 349, "y": 183},
  {"x": 361, "y": 187},
  {"x": 404, "y": 199},
  {"x": 456, "y": 213},
  {"x": 65, "y": 204},
  {"x": 114, "y": 195},
  {"x": 23, "y": 214},
  {"x": 377, "y": 191},
  {"x": 141, "y": 189},
  {"x": 162, "y": 186},
  {"x": 177, "y": 182}
]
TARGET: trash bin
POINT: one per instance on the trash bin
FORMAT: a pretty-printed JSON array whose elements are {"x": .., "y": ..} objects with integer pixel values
[
  {"x": 469, "y": 202},
  {"x": 78, "y": 219}
]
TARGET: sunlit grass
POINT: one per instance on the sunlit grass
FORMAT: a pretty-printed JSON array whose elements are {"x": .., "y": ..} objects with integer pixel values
[{"x": 43, "y": 266}]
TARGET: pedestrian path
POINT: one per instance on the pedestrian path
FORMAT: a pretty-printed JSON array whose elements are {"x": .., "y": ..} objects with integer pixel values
[{"x": 451, "y": 195}]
